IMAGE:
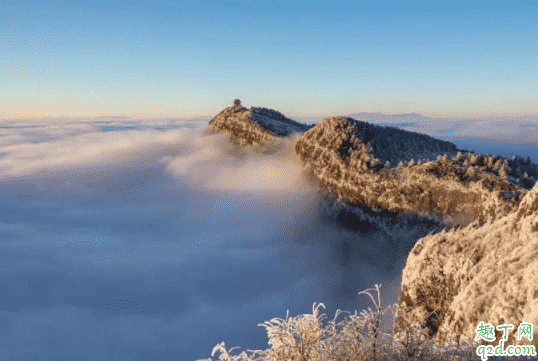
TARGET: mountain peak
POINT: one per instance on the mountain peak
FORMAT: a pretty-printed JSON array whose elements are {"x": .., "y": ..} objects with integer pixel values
[{"x": 255, "y": 126}]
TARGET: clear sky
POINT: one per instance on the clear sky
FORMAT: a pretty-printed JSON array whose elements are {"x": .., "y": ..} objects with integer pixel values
[{"x": 307, "y": 59}]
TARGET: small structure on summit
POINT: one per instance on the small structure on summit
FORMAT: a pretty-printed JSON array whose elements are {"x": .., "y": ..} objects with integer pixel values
[{"x": 237, "y": 107}]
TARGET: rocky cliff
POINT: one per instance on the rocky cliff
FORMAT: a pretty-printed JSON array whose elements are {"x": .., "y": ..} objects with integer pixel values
[
  {"x": 483, "y": 268},
  {"x": 475, "y": 274}
]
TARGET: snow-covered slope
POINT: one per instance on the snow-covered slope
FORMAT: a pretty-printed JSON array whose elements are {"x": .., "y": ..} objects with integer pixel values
[{"x": 255, "y": 126}]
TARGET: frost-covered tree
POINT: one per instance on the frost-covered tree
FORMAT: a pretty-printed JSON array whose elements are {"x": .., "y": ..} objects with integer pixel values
[
  {"x": 490, "y": 161},
  {"x": 502, "y": 172},
  {"x": 473, "y": 159}
]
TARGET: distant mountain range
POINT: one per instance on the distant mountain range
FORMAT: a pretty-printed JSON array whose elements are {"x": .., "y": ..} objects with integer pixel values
[{"x": 390, "y": 120}]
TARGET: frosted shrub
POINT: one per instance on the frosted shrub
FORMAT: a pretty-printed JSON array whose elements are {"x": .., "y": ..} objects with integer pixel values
[{"x": 356, "y": 338}]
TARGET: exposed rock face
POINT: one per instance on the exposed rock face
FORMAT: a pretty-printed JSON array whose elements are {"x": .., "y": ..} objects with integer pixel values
[
  {"x": 476, "y": 274},
  {"x": 255, "y": 126}
]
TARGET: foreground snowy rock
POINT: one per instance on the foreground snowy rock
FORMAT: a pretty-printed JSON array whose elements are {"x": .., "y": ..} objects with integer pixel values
[{"x": 475, "y": 274}]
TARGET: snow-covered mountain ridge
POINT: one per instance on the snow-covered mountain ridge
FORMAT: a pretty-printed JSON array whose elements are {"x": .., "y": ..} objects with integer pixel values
[{"x": 489, "y": 203}]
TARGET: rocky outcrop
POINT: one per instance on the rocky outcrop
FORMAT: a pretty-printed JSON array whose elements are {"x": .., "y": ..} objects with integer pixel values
[
  {"x": 475, "y": 274},
  {"x": 352, "y": 159},
  {"x": 388, "y": 143},
  {"x": 255, "y": 126}
]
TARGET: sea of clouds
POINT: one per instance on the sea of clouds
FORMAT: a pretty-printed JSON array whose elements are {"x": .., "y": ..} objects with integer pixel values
[{"x": 154, "y": 240}]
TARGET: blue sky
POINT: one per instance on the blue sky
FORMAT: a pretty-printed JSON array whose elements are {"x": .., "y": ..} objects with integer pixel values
[{"x": 307, "y": 59}]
